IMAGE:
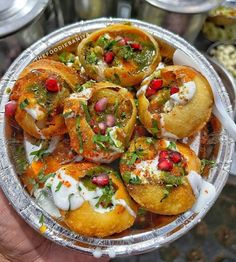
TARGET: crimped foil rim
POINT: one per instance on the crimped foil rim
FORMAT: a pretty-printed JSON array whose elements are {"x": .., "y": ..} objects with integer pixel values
[{"x": 133, "y": 244}]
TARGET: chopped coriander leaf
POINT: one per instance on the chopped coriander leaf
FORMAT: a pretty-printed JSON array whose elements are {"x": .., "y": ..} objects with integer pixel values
[
  {"x": 206, "y": 162},
  {"x": 155, "y": 127},
  {"x": 66, "y": 57},
  {"x": 102, "y": 41},
  {"x": 97, "y": 170},
  {"x": 41, "y": 219},
  {"x": 166, "y": 193},
  {"x": 110, "y": 44},
  {"x": 169, "y": 179},
  {"x": 123, "y": 115},
  {"x": 88, "y": 183},
  {"x": 85, "y": 109},
  {"x": 39, "y": 154},
  {"x": 34, "y": 184},
  {"x": 44, "y": 177},
  {"x": 91, "y": 58},
  {"x": 24, "y": 104},
  {"x": 133, "y": 156},
  {"x": 79, "y": 134},
  {"x": 59, "y": 185},
  {"x": 130, "y": 178},
  {"x": 172, "y": 146},
  {"x": 106, "y": 199},
  {"x": 126, "y": 52},
  {"x": 100, "y": 139},
  {"x": 78, "y": 88}
]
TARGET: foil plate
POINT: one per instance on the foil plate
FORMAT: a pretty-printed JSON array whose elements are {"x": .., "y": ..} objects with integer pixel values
[{"x": 121, "y": 245}]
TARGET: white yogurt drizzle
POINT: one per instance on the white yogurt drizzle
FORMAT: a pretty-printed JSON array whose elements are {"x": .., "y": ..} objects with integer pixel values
[
  {"x": 69, "y": 194},
  {"x": 185, "y": 94},
  {"x": 84, "y": 94},
  {"x": 203, "y": 190},
  {"x": 35, "y": 112},
  {"x": 164, "y": 132}
]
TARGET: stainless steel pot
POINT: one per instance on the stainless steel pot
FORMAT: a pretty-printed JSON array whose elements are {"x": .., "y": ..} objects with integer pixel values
[
  {"x": 89, "y": 9},
  {"x": 183, "y": 17},
  {"x": 23, "y": 22}
]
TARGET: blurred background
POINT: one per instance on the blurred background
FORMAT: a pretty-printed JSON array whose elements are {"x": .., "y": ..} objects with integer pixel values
[{"x": 209, "y": 25}]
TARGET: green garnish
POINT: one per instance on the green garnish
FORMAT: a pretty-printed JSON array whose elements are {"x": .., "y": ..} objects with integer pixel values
[
  {"x": 100, "y": 139},
  {"x": 136, "y": 102},
  {"x": 69, "y": 199},
  {"x": 116, "y": 79},
  {"x": 68, "y": 113},
  {"x": 67, "y": 57},
  {"x": 91, "y": 58},
  {"x": 166, "y": 193},
  {"x": 110, "y": 44},
  {"x": 206, "y": 162},
  {"x": 123, "y": 115},
  {"x": 78, "y": 88},
  {"x": 79, "y": 135},
  {"x": 130, "y": 178},
  {"x": 88, "y": 183},
  {"x": 172, "y": 146},
  {"x": 133, "y": 156},
  {"x": 155, "y": 127},
  {"x": 85, "y": 109},
  {"x": 59, "y": 185},
  {"x": 24, "y": 104},
  {"x": 106, "y": 198},
  {"x": 32, "y": 182},
  {"x": 126, "y": 52},
  {"x": 172, "y": 180},
  {"x": 39, "y": 154},
  {"x": 43, "y": 178}
]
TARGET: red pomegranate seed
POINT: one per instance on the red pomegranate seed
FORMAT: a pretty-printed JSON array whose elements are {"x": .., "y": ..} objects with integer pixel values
[
  {"x": 52, "y": 85},
  {"x": 163, "y": 154},
  {"x": 156, "y": 84},
  {"x": 150, "y": 92},
  {"x": 101, "y": 105},
  {"x": 136, "y": 46},
  {"x": 101, "y": 180},
  {"x": 109, "y": 57},
  {"x": 174, "y": 90},
  {"x": 102, "y": 126},
  {"x": 110, "y": 120},
  {"x": 96, "y": 130},
  {"x": 10, "y": 108},
  {"x": 124, "y": 41},
  {"x": 92, "y": 122},
  {"x": 165, "y": 165},
  {"x": 175, "y": 157}
]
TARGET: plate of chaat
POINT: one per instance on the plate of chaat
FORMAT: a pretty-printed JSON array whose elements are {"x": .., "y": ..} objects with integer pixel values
[{"x": 111, "y": 148}]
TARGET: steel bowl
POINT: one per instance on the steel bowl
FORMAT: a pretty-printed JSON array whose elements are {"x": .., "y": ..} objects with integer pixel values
[{"x": 131, "y": 241}]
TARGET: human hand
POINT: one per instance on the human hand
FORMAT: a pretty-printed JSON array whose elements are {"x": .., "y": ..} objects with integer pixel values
[{"x": 19, "y": 242}]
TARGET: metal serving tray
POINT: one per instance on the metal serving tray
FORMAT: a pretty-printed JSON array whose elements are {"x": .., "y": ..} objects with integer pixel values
[{"x": 133, "y": 241}]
